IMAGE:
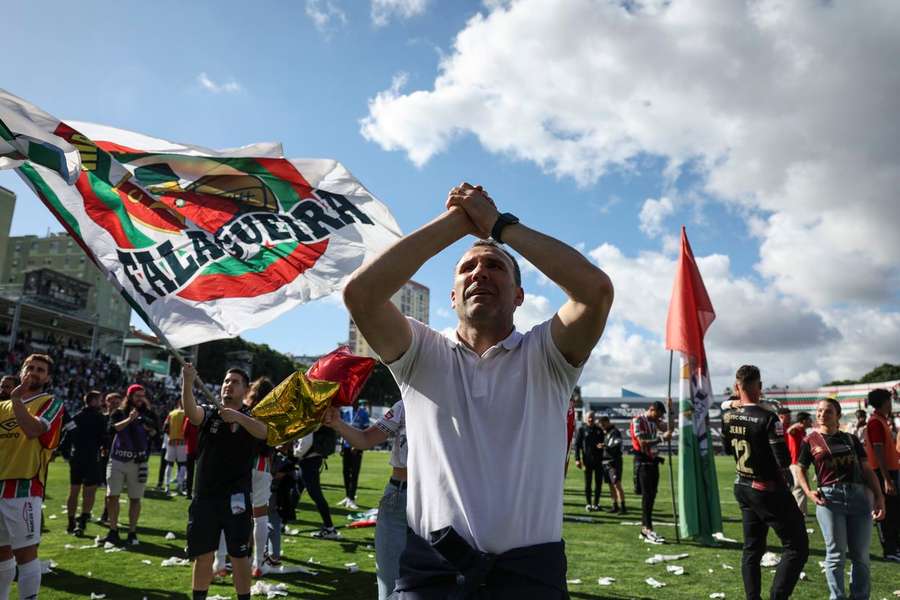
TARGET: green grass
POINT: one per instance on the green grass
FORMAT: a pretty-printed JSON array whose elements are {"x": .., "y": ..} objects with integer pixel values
[{"x": 607, "y": 548}]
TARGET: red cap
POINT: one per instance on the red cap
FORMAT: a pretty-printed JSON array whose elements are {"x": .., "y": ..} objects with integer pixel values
[{"x": 134, "y": 387}]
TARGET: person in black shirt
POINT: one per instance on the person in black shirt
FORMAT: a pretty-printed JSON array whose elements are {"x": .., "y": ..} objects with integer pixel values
[
  {"x": 612, "y": 463},
  {"x": 84, "y": 437},
  {"x": 227, "y": 445},
  {"x": 755, "y": 437},
  {"x": 844, "y": 508},
  {"x": 589, "y": 457}
]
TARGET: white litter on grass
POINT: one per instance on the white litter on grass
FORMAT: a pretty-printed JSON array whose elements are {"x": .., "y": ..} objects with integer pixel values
[
  {"x": 97, "y": 596},
  {"x": 606, "y": 581},
  {"x": 52, "y": 517},
  {"x": 658, "y": 558},
  {"x": 352, "y": 567},
  {"x": 313, "y": 561},
  {"x": 288, "y": 569},
  {"x": 897, "y": 592},
  {"x": 573, "y": 581},
  {"x": 174, "y": 561},
  {"x": 293, "y": 532},
  {"x": 69, "y": 546},
  {"x": 822, "y": 565},
  {"x": 770, "y": 559},
  {"x": 88, "y": 546},
  {"x": 810, "y": 531},
  {"x": 728, "y": 567},
  {"x": 717, "y": 595},
  {"x": 675, "y": 569},
  {"x": 89, "y": 573},
  {"x": 147, "y": 562},
  {"x": 370, "y": 555},
  {"x": 578, "y": 519},
  {"x": 710, "y": 570},
  {"x": 170, "y": 536},
  {"x": 802, "y": 575},
  {"x": 47, "y": 566},
  {"x": 108, "y": 545},
  {"x": 720, "y": 537},
  {"x": 113, "y": 549},
  {"x": 269, "y": 590},
  {"x": 218, "y": 597},
  {"x": 654, "y": 583}
]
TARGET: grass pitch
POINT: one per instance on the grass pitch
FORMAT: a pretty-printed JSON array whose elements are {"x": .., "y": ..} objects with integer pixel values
[{"x": 607, "y": 547}]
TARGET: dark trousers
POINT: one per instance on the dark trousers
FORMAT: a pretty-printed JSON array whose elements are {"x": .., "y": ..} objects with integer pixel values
[
  {"x": 162, "y": 466},
  {"x": 593, "y": 477},
  {"x": 352, "y": 463},
  {"x": 648, "y": 476},
  {"x": 889, "y": 527},
  {"x": 777, "y": 509},
  {"x": 309, "y": 480},
  {"x": 189, "y": 475},
  {"x": 448, "y": 568}
]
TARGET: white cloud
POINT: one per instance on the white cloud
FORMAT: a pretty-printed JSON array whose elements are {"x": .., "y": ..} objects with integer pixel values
[
  {"x": 229, "y": 87},
  {"x": 772, "y": 115},
  {"x": 653, "y": 213},
  {"x": 536, "y": 309},
  {"x": 384, "y": 10},
  {"x": 326, "y": 15}
]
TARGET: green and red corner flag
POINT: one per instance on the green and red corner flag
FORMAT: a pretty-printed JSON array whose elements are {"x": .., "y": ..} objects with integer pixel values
[
  {"x": 204, "y": 244},
  {"x": 690, "y": 315}
]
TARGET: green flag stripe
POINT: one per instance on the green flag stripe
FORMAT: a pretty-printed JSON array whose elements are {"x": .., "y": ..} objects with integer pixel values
[
  {"x": 49, "y": 197},
  {"x": 257, "y": 264},
  {"x": 111, "y": 199}
]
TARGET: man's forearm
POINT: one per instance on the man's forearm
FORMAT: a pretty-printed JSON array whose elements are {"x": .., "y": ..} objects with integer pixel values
[
  {"x": 31, "y": 425},
  {"x": 374, "y": 283},
  {"x": 254, "y": 427},
  {"x": 193, "y": 412},
  {"x": 565, "y": 266}
]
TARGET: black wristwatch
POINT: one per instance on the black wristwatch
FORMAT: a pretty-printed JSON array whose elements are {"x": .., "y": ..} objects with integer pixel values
[{"x": 503, "y": 219}]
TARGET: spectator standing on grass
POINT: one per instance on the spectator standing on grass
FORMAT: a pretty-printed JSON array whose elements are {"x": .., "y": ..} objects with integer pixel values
[
  {"x": 755, "y": 437},
  {"x": 311, "y": 463},
  {"x": 795, "y": 436},
  {"x": 645, "y": 438},
  {"x": 390, "y": 527},
  {"x": 847, "y": 499},
  {"x": 612, "y": 464},
  {"x": 882, "y": 453},
  {"x": 589, "y": 458},
  {"x": 486, "y": 411},
  {"x": 84, "y": 438},
  {"x": 261, "y": 486},
  {"x": 351, "y": 458},
  {"x": 176, "y": 448},
  {"x": 133, "y": 425},
  {"x": 228, "y": 443},
  {"x": 858, "y": 428},
  {"x": 32, "y": 422}
]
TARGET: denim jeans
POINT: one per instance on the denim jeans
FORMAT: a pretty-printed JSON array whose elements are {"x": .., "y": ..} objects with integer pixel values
[
  {"x": 846, "y": 523},
  {"x": 390, "y": 538}
]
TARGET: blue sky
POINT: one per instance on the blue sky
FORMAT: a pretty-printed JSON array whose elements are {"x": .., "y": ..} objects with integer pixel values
[{"x": 605, "y": 127}]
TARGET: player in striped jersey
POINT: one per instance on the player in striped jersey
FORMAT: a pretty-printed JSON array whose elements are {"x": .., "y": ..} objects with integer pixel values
[
  {"x": 30, "y": 424},
  {"x": 176, "y": 449}
]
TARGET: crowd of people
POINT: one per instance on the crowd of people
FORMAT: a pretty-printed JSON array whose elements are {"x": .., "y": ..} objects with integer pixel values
[{"x": 472, "y": 506}]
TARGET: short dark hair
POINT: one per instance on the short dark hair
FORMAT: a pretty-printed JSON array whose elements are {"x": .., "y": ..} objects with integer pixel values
[
  {"x": 259, "y": 389},
  {"x": 784, "y": 410},
  {"x": 834, "y": 404},
  {"x": 91, "y": 395},
  {"x": 240, "y": 372},
  {"x": 604, "y": 419},
  {"x": 861, "y": 413},
  {"x": 659, "y": 406},
  {"x": 876, "y": 398},
  {"x": 517, "y": 273},
  {"x": 805, "y": 416},
  {"x": 747, "y": 374}
]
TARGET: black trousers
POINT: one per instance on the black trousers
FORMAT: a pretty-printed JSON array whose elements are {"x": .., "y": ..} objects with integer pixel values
[
  {"x": 593, "y": 478},
  {"x": 352, "y": 463},
  {"x": 777, "y": 509},
  {"x": 648, "y": 476},
  {"x": 162, "y": 466},
  {"x": 889, "y": 528},
  {"x": 309, "y": 480}
]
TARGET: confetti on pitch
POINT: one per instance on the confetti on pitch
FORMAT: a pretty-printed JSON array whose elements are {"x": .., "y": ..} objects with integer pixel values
[
  {"x": 170, "y": 536},
  {"x": 606, "y": 581},
  {"x": 97, "y": 596},
  {"x": 727, "y": 567},
  {"x": 675, "y": 569},
  {"x": 717, "y": 595},
  {"x": 810, "y": 531},
  {"x": 658, "y": 558},
  {"x": 147, "y": 562},
  {"x": 720, "y": 537},
  {"x": 654, "y": 583},
  {"x": 288, "y": 569},
  {"x": 269, "y": 590},
  {"x": 47, "y": 566},
  {"x": 573, "y": 581},
  {"x": 113, "y": 549},
  {"x": 770, "y": 559},
  {"x": 52, "y": 517},
  {"x": 174, "y": 561}
]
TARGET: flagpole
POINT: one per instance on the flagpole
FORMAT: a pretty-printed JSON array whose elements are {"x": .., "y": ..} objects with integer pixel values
[
  {"x": 671, "y": 431},
  {"x": 162, "y": 337}
]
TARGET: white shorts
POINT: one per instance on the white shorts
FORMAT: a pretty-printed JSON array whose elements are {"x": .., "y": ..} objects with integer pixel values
[
  {"x": 20, "y": 522},
  {"x": 130, "y": 474},
  {"x": 262, "y": 487},
  {"x": 176, "y": 453}
]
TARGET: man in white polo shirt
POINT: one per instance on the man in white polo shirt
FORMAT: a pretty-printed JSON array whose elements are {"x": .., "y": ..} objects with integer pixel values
[{"x": 485, "y": 412}]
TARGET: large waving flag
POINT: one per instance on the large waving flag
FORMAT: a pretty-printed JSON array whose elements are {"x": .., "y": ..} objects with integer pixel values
[
  {"x": 204, "y": 244},
  {"x": 690, "y": 315}
]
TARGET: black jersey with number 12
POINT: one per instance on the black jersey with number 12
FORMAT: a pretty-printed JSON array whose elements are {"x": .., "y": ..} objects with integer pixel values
[{"x": 755, "y": 437}]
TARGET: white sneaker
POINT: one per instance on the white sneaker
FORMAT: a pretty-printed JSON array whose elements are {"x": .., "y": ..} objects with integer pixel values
[
  {"x": 327, "y": 533},
  {"x": 352, "y": 505},
  {"x": 651, "y": 537},
  {"x": 343, "y": 502}
]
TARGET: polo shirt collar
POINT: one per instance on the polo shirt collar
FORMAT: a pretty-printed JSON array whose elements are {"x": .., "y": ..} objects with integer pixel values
[{"x": 510, "y": 342}]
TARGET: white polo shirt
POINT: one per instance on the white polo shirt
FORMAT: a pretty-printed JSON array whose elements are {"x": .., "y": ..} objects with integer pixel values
[{"x": 485, "y": 436}]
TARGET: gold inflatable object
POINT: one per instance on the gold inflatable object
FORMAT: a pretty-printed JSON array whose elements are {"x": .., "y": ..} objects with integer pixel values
[{"x": 294, "y": 408}]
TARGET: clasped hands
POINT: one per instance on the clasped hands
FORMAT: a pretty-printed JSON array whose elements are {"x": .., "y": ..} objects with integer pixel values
[{"x": 475, "y": 203}]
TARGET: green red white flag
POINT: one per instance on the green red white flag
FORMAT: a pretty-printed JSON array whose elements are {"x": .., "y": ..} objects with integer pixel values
[
  {"x": 204, "y": 244},
  {"x": 690, "y": 315}
]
